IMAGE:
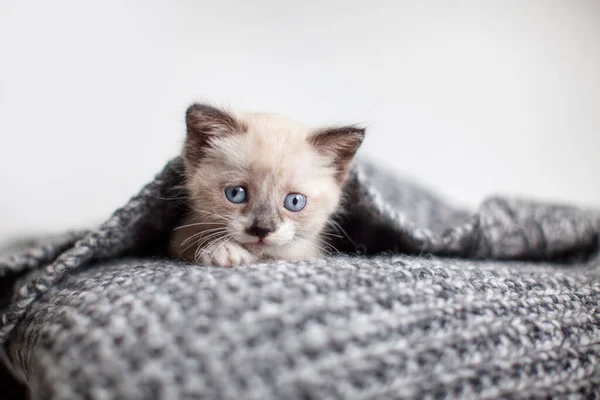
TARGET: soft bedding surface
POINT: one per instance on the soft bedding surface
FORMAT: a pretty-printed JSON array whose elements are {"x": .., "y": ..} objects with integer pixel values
[{"x": 423, "y": 301}]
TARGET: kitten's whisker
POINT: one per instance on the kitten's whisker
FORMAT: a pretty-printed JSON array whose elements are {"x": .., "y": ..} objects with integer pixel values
[
  {"x": 207, "y": 238},
  {"x": 197, "y": 235},
  {"x": 324, "y": 250},
  {"x": 328, "y": 244},
  {"x": 304, "y": 239},
  {"x": 337, "y": 226},
  {"x": 170, "y": 198},
  {"x": 195, "y": 224},
  {"x": 328, "y": 234},
  {"x": 194, "y": 243},
  {"x": 226, "y": 240},
  {"x": 179, "y": 193},
  {"x": 228, "y": 219},
  {"x": 203, "y": 239},
  {"x": 202, "y": 249},
  {"x": 201, "y": 233}
]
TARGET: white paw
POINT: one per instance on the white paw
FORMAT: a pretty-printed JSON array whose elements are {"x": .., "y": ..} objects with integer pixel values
[{"x": 227, "y": 255}]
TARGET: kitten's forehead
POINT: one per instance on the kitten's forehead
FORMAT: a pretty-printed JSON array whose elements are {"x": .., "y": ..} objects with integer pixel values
[
  {"x": 274, "y": 126},
  {"x": 272, "y": 144}
]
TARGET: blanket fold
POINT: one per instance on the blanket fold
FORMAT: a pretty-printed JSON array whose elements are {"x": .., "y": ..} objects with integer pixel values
[{"x": 420, "y": 299}]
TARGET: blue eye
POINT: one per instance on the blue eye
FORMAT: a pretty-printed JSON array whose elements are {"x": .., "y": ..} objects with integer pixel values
[
  {"x": 295, "y": 202},
  {"x": 236, "y": 194}
]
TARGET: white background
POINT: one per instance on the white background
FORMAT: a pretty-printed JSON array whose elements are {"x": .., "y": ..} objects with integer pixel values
[{"x": 470, "y": 98}]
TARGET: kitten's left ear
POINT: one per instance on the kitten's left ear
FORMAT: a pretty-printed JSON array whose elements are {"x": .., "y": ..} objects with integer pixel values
[{"x": 340, "y": 143}]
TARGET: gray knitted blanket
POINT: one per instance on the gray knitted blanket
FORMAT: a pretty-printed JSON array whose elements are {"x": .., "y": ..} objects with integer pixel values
[{"x": 425, "y": 301}]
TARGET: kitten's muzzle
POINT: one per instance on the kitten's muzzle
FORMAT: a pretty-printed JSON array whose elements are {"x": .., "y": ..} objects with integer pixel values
[{"x": 259, "y": 231}]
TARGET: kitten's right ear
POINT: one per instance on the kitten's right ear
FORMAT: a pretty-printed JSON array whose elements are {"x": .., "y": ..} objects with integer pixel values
[{"x": 205, "y": 123}]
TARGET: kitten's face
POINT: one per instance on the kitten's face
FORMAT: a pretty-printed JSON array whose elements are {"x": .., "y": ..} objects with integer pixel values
[{"x": 263, "y": 181}]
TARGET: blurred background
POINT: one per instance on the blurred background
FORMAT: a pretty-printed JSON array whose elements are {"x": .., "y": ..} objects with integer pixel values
[{"x": 469, "y": 98}]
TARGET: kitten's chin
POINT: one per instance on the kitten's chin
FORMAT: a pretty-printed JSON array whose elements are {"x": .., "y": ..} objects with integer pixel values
[
  {"x": 291, "y": 248},
  {"x": 263, "y": 248},
  {"x": 265, "y": 245},
  {"x": 255, "y": 247}
]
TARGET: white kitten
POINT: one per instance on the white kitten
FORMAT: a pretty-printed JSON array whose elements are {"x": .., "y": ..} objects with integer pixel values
[{"x": 259, "y": 185}]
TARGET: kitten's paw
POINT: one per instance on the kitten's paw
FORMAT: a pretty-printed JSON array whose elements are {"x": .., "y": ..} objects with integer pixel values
[{"x": 227, "y": 255}]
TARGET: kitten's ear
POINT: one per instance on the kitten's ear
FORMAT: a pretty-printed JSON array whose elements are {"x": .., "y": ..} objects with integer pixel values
[
  {"x": 204, "y": 123},
  {"x": 340, "y": 143}
]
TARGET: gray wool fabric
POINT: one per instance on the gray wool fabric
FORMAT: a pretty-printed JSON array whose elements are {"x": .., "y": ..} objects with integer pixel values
[{"x": 423, "y": 301}]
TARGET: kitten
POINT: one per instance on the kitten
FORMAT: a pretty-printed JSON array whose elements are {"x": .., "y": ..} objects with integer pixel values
[{"x": 260, "y": 186}]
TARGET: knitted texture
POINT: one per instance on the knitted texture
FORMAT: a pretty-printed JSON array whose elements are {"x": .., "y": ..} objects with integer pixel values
[{"x": 509, "y": 311}]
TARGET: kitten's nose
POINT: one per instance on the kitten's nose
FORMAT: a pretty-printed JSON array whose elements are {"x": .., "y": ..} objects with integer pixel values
[{"x": 259, "y": 231}]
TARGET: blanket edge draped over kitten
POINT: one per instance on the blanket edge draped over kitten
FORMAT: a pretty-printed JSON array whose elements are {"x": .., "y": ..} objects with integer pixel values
[{"x": 385, "y": 214}]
